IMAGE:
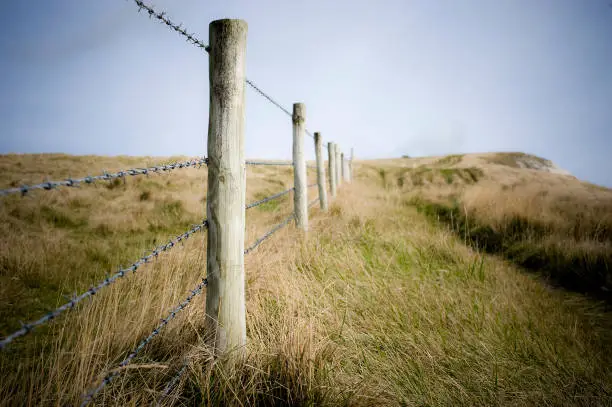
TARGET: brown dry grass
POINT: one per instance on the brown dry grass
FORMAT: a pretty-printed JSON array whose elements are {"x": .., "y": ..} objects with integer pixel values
[{"x": 375, "y": 307}]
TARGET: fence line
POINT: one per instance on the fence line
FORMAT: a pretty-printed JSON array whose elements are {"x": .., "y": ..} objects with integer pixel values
[
  {"x": 75, "y": 182},
  {"x": 226, "y": 194},
  {"x": 191, "y": 38}
]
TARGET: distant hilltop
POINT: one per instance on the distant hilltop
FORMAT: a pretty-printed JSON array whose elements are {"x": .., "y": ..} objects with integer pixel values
[{"x": 512, "y": 160}]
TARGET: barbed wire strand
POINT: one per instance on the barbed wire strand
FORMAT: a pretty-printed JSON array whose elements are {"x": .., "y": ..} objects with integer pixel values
[
  {"x": 75, "y": 182},
  {"x": 269, "y": 233},
  {"x": 26, "y": 328},
  {"x": 271, "y": 197},
  {"x": 110, "y": 376},
  {"x": 249, "y": 162},
  {"x": 176, "y": 27},
  {"x": 192, "y": 38},
  {"x": 312, "y": 185},
  {"x": 172, "y": 383},
  {"x": 268, "y": 97}
]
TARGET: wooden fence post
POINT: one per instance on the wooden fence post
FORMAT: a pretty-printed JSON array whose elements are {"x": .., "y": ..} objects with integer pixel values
[
  {"x": 350, "y": 172},
  {"x": 338, "y": 168},
  {"x": 225, "y": 300},
  {"x": 343, "y": 167},
  {"x": 331, "y": 165},
  {"x": 300, "y": 195},
  {"x": 320, "y": 171}
]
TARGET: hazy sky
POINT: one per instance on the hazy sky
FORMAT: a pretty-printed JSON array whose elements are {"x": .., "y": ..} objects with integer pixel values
[{"x": 385, "y": 77}]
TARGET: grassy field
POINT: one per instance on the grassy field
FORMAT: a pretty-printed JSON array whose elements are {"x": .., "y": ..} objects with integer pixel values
[{"x": 381, "y": 304}]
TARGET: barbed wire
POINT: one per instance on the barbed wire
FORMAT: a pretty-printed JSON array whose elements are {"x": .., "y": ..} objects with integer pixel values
[
  {"x": 250, "y": 162},
  {"x": 191, "y": 38},
  {"x": 172, "y": 382},
  {"x": 312, "y": 185},
  {"x": 110, "y": 376},
  {"x": 26, "y": 328},
  {"x": 176, "y": 27},
  {"x": 271, "y": 197},
  {"x": 269, "y": 233},
  {"x": 268, "y": 97},
  {"x": 75, "y": 182}
]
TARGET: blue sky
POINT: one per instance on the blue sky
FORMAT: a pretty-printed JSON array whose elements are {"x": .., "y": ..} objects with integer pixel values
[{"x": 386, "y": 77}]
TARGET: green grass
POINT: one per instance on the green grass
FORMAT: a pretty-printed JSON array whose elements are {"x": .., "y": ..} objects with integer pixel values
[
  {"x": 522, "y": 241},
  {"x": 449, "y": 160},
  {"x": 512, "y": 159},
  {"x": 423, "y": 175}
]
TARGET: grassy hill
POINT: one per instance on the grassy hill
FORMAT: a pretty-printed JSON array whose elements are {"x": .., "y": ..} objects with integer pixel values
[{"x": 416, "y": 288}]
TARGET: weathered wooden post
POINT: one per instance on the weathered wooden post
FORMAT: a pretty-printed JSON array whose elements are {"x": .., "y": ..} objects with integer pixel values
[
  {"x": 350, "y": 172},
  {"x": 225, "y": 301},
  {"x": 338, "y": 168},
  {"x": 331, "y": 164},
  {"x": 320, "y": 171},
  {"x": 300, "y": 195},
  {"x": 343, "y": 167}
]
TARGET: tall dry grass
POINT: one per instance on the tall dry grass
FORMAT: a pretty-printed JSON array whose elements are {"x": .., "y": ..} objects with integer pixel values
[{"x": 376, "y": 306}]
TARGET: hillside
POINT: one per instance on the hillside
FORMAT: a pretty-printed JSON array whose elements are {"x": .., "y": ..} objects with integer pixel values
[{"x": 459, "y": 280}]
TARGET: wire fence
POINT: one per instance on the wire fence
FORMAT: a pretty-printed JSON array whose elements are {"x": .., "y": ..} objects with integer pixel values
[
  {"x": 27, "y": 328},
  {"x": 89, "y": 397},
  {"x": 193, "y": 39},
  {"x": 274, "y": 163},
  {"x": 268, "y": 199},
  {"x": 155, "y": 252},
  {"x": 106, "y": 176}
]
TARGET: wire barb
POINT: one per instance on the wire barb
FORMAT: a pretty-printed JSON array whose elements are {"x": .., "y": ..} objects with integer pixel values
[
  {"x": 110, "y": 376},
  {"x": 26, "y": 328},
  {"x": 176, "y": 27},
  {"x": 172, "y": 383},
  {"x": 105, "y": 176},
  {"x": 271, "y": 197}
]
